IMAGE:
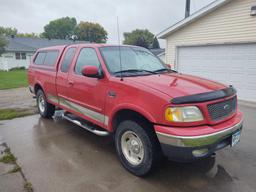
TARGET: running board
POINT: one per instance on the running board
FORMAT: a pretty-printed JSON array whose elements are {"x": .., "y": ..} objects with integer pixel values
[{"x": 85, "y": 124}]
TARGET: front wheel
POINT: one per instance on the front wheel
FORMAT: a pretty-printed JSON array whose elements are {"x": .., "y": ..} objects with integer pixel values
[
  {"x": 46, "y": 110},
  {"x": 136, "y": 147}
]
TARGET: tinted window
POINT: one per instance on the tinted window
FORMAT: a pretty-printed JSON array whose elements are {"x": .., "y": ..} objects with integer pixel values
[
  {"x": 51, "y": 57},
  {"x": 87, "y": 57},
  {"x": 40, "y": 58},
  {"x": 67, "y": 59}
]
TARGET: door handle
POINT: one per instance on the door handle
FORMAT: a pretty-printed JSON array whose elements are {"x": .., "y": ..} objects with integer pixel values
[{"x": 71, "y": 82}]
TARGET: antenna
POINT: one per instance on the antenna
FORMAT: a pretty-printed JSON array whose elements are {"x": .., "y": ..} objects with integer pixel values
[{"x": 119, "y": 47}]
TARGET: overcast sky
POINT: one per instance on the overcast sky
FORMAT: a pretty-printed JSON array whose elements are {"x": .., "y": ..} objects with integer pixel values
[{"x": 155, "y": 15}]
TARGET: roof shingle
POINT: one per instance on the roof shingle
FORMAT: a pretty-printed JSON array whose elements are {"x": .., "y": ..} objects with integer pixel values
[{"x": 28, "y": 44}]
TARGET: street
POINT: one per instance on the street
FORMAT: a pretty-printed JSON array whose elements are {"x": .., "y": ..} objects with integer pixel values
[{"x": 56, "y": 155}]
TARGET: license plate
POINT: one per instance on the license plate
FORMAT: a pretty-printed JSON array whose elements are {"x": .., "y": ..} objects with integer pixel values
[{"x": 235, "y": 138}]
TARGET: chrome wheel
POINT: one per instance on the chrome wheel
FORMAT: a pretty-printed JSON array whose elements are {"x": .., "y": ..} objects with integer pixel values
[
  {"x": 132, "y": 148},
  {"x": 41, "y": 103}
]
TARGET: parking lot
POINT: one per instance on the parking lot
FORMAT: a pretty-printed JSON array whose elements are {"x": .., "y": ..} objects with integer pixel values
[{"x": 59, "y": 156}]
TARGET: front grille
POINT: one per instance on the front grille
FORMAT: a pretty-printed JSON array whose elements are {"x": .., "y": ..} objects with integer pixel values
[{"x": 222, "y": 110}]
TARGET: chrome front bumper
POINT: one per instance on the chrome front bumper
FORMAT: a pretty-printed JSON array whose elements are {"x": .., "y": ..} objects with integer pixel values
[{"x": 197, "y": 141}]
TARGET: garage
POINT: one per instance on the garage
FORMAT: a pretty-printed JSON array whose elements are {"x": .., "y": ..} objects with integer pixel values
[
  {"x": 230, "y": 64},
  {"x": 217, "y": 42}
]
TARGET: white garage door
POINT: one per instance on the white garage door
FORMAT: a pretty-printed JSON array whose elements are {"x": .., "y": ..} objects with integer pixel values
[{"x": 229, "y": 64}]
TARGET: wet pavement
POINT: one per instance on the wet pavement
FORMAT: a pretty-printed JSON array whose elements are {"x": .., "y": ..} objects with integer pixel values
[{"x": 59, "y": 156}]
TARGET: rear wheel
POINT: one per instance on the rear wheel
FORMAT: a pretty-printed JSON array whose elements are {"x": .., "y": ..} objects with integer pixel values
[
  {"x": 136, "y": 147},
  {"x": 45, "y": 109}
]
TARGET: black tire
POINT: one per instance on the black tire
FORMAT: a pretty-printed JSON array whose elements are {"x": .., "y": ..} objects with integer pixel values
[
  {"x": 148, "y": 140},
  {"x": 48, "y": 110}
]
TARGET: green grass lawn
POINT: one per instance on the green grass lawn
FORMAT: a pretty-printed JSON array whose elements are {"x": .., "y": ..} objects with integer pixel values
[
  {"x": 14, "y": 113},
  {"x": 13, "y": 79}
]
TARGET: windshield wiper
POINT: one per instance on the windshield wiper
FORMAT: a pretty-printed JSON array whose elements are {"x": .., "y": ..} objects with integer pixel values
[
  {"x": 135, "y": 71},
  {"x": 165, "y": 69}
]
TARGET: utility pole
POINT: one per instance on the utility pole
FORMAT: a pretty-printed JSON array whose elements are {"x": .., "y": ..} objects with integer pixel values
[{"x": 187, "y": 9}]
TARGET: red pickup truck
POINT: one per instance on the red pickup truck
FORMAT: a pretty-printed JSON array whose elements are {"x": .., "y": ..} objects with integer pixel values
[{"x": 127, "y": 92}]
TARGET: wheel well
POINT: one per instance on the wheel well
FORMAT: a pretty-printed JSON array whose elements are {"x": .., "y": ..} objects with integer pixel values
[
  {"x": 37, "y": 87},
  {"x": 126, "y": 114},
  {"x": 129, "y": 114}
]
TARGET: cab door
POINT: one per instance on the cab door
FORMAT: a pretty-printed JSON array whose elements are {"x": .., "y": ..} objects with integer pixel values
[
  {"x": 86, "y": 95},
  {"x": 62, "y": 74}
]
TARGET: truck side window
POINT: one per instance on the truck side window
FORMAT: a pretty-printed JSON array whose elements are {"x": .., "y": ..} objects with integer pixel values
[
  {"x": 87, "y": 57},
  {"x": 40, "y": 58},
  {"x": 67, "y": 59},
  {"x": 51, "y": 57}
]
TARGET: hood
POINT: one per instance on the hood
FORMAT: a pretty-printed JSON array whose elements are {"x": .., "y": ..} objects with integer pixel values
[{"x": 178, "y": 85}]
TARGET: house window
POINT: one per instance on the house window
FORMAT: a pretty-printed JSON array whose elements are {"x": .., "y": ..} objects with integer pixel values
[
  {"x": 23, "y": 56},
  {"x": 19, "y": 56}
]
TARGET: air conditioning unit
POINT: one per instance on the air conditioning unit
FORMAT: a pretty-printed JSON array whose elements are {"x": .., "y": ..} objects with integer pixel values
[{"x": 253, "y": 11}]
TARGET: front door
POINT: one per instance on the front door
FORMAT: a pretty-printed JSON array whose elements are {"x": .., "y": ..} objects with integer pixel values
[{"x": 87, "y": 95}]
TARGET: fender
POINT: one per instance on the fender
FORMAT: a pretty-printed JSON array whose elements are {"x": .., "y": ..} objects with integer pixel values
[
  {"x": 37, "y": 82},
  {"x": 129, "y": 106}
]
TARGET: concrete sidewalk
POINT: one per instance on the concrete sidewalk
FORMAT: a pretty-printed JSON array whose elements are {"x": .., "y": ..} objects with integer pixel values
[
  {"x": 11, "y": 177},
  {"x": 16, "y": 98}
]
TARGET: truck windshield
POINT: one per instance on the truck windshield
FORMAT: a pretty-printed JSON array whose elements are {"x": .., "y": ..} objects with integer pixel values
[{"x": 134, "y": 60}]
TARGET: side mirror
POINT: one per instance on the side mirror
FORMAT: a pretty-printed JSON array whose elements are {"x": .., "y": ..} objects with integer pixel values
[{"x": 91, "y": 71}]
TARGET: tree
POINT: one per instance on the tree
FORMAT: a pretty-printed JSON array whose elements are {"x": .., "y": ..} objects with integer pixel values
[
  {"x": 139, "y": 37},
  {"x": 32, "y": 35},
  {"x": 8, "y": 31},
  {"x": 92, "y": 32},
  {"x": 62, "y": 28},
  {"x": 3, "y": 43},
  {"x": 155, "y": 44}
]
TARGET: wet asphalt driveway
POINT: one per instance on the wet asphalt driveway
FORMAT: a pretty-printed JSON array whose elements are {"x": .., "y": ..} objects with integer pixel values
[{"x": 59, "y": 156}]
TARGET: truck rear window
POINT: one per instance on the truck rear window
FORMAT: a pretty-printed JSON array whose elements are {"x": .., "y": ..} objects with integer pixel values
[
  {"x": 51, "y": 57},
  {"x": 47, "y": 58},
  {"x": 40, "y": 58}
]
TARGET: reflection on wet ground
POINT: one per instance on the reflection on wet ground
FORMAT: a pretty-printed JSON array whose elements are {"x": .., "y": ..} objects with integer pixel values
[{"x": 59, "y": 156}]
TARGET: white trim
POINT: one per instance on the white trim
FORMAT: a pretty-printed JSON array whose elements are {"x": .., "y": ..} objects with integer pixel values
[
  {"x": 215, "y": 44},
  {"x": 197, "y": 15},
  {"x": 176, "y": 67}
]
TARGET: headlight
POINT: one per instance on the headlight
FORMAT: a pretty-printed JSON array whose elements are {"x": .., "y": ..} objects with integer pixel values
[{"x": 183, "y": 114}]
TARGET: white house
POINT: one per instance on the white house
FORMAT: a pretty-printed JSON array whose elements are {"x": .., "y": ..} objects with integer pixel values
[
  {"x": 20, "y": 50},
  {"x": 217, "y": 42}
]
